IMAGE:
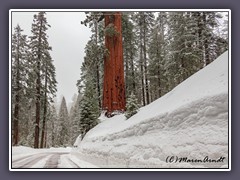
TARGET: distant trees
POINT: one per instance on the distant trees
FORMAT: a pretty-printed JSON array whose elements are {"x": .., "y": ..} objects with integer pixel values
[
  {"x": 74, "y": 117},
  {"x": 63, "y": 125},
  {"x": 52, "y": 127}
]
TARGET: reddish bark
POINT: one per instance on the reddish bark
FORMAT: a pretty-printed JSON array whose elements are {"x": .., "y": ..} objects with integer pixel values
[{"x": 113, "y": 87}]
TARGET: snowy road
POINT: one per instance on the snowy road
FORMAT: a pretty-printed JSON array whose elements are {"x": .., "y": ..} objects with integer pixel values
[
  {"x": 47, "y": 160},
  {"x": 26, "y": 157}
]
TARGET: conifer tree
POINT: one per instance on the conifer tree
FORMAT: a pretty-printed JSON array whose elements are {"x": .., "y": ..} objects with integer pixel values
[
  {"x": 19, "y": 74},
  {"x": 49, "y": 90},
  {"x": 132, "y": 106},
  {"x": 129, "y": 53},
  {"x": 95, "y": 52},
  {"x": 89, "y": 111},
  {"x": 63, "y": 121},
  {"x": 52, "y": 126},
  {"x": 157, "y": 57},
  {"x": 40, "y": 52},
  {"x": 75, "y": 119},
  {"x": 144, "y": 22}
]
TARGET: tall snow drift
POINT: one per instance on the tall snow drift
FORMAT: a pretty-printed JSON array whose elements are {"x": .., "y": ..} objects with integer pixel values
[{"x": 189, "y": 122}]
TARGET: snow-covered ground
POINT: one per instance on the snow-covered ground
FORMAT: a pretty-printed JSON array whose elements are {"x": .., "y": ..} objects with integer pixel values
[
  {"x": 25, "y": 157},
  {"x": 190, "y": 121}
]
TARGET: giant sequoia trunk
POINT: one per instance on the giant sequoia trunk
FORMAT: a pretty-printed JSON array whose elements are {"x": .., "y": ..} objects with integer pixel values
[{"x": 113, "y": 88}]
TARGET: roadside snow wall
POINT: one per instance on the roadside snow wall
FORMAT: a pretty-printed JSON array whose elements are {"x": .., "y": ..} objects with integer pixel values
[{"x": 189, "y": 122}]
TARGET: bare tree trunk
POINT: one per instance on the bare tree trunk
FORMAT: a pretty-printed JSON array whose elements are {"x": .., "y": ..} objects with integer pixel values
[
  {"x": 141, "y": 69},
  {"x": 38, "y": 93},
  {"x": 97, "y": 64},
  {"x": 45, "y": 139},
  {"x": 145, "y": 65},
  {"x": 16, "y": 108},
  {"x": 132, "y": 72},
  {"x": 38, "y": 82},
  {"x": 200, "y": 38},
  {"x": 206, "y": 48},
  {"x": 44, "y": 111},
  {"x": 114, "y": 87},
  {"x": 126, "y": 73}
]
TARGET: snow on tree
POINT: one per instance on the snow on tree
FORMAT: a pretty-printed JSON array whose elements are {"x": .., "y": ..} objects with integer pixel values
[
  {"x": 132, "y": 106},
  {"x": 49, "y": 90},
  {"x": 95, "y": 49},
  {"x": 129, "y": 53},
  {"x": 75, "y": 119},
  {"x": 63, "y": 125},
  {"x": 89, "y": 111},
  {"x": 157, "y": 56},
  {"x": 143, "y": 22},
  {"x": 52, "y": 127},
  {"x": 40, "y": 50},
  {"x": 113, "y": 84},
  {"x": 19, "y": 74}
]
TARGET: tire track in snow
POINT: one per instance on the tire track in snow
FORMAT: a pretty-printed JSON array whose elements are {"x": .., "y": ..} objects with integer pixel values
[
  {"x": 53, "y": 161},
  {"x": 29, "y": 161},
  {"x": 22, "y": 158}
]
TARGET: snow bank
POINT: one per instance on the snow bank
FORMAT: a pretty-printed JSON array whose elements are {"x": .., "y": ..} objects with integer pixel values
[{"x": 189, "y": 122}]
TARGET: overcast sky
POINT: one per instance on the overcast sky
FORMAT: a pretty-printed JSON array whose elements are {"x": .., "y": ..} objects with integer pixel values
[{"x": 68, "y": 38}]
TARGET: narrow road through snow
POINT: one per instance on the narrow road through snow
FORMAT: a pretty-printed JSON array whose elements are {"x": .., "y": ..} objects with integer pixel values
[{"x": 42, "y": 160}]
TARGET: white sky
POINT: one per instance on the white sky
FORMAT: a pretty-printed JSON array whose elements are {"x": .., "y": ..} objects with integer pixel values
[{"x": 68, "y": 39}]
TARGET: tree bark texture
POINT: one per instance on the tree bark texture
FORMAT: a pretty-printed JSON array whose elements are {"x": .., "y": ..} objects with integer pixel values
[
  {"x": 113, "y": 87},
  {"x": 97, "y": 65},
  {"x": 44, "y": 112},
  {"x": 16, "y": 108},
  {"x": 145, "y": 66},
  {"x": 38, "y": 84},
  {"x": 38, "y": 89}
]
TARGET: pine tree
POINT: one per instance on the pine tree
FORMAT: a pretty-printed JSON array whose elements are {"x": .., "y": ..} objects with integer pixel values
[
  {"x": 89, "y": 111},
  {"x": 19, "y": 74},
  {"x": 185, "y": 57},
  {"x": 40, "y": 52},
  {"x": 129, "y": 53},
  {"x": 49, "y": 90},
  {"x": 157, "y": 56},
  {"x": 63, "y": 121},
  {"x": 75, "y": 119},
  {"x": 52, "y": 127},
  {"x": 211, "y": 44},
  {"x": 144, "y": 22},
  {"x": 95, "y": 52},
  {"x": 132, "y": 106}
]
